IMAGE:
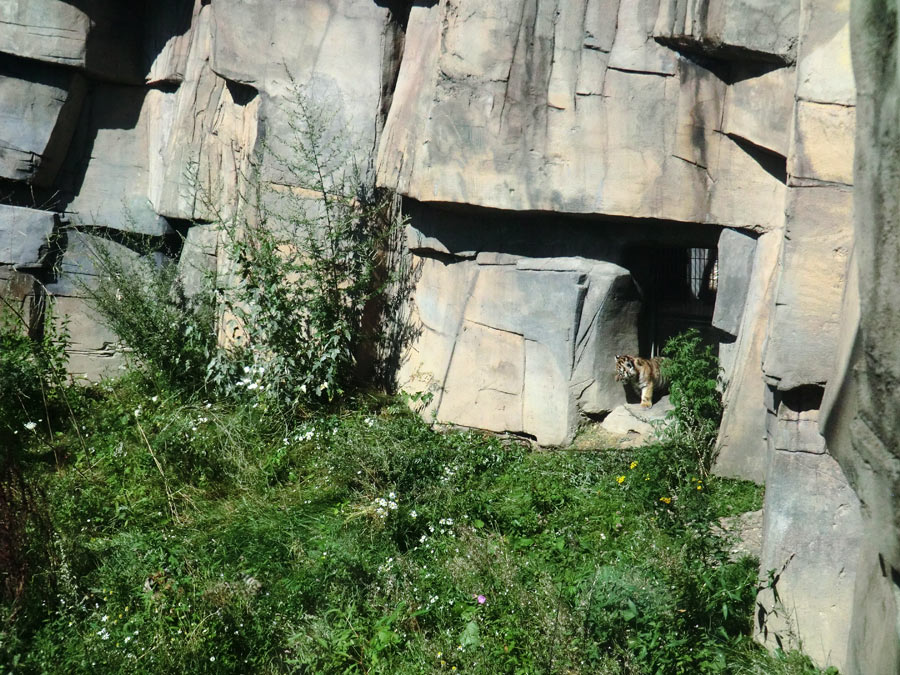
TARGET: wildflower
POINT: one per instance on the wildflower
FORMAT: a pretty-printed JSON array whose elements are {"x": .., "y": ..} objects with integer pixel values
[
  {"x": 699, "y": 486},
  {"x": 632, "y": 465},
  {"x": 30, "y": 426},
  {"x": 665, "y": 500},
  {"x": 303, "y": 388},
  {"x": 212, "y": 658},
  {"x": 620, "y": 480},
  {"x": 413, "y": 514},
  {"x": 480, "y": 598}
]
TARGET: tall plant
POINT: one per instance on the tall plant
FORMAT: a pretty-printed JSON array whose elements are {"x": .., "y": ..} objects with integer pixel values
[
  {"x": 32, "y": 399},
  {"x": 305, "y": 266},
  {"x": 693, "y": 373},
  {"x": 143, "y": 301}
]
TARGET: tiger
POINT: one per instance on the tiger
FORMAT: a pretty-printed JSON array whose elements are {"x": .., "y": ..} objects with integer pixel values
[{"x": 643, "y": 375}]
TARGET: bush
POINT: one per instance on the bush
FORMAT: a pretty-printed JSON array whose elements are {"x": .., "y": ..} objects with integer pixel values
[
  {"x": 143, "y": 301},
  {"x": 306, "y": 268},
  {"x": 32, "y": 376},
  {"x": 693, "y": 374}
]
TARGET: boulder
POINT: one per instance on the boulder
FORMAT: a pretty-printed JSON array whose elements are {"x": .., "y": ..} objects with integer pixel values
[
  {"x": 642, "y": 425},
  {"x": 509, "y": 342}
]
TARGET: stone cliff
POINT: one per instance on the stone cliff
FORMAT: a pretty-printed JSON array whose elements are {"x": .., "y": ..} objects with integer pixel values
[{"x": 582, "y": 178}]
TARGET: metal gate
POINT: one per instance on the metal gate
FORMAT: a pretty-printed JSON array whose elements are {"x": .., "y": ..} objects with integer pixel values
[{"x": 679, "y": 287}]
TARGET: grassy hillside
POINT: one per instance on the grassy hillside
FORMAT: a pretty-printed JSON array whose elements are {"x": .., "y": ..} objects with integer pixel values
[{"x": 176, "y": 535}]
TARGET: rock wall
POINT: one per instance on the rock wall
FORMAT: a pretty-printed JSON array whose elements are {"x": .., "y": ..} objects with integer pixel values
[
  {"x": 861, "y": 401},
  {"x": 552, "y": 155}
]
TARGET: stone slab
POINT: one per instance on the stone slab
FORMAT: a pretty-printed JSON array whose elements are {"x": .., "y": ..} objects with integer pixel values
[
  {"x": 737, "y": 252},
  {"x": 822, "y": 134},
  {"x": 39, "y": 108},
  {"x": 811, "y": 538},
  {"x": 485, "y": 379},
  {"x": 631, "y": 418},
  {"x": 766, "y": 29},
  {"x": 741, "y": 447},
  {"x": 25, "y": 236},
  {"x": 803, "y": 335},
  {"x": 760, "y": 109}
]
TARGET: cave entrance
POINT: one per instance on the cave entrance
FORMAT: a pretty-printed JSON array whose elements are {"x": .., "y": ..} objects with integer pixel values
[{"x": 678, "y": 285}]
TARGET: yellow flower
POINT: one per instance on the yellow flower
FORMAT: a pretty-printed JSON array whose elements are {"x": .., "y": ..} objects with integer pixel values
[
  {"x": 665, "y": 500},
  {"x": 632, "y": 465},
  {"x": 620, "y": 479},
  {"x": 699, "y": 486}
]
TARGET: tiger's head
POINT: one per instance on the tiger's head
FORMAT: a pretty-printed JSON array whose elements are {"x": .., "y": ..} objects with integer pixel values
[{"x": 625, "y": 368}]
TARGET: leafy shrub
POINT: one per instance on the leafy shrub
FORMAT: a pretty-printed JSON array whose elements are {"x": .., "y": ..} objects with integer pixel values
[
  {"x": 144, "y": 303},
  {"x": 693, "y": 374},
  {"x": 32, "y": 376},
  {"x": 306, "y": 267}
]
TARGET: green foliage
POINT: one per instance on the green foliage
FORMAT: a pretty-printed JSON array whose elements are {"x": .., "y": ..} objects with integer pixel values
[
  {"x": 215, "y": 537},
  {"x": 693, "y": 374},
  {"x": 306, "y": 267},
  {"x": 32, "y": 376},
  {"x": 143, "y": 301},
  {"x": 32, "y": 402}
]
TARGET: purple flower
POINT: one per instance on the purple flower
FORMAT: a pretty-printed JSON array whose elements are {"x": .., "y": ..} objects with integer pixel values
[{"x": 481, "y": 599}]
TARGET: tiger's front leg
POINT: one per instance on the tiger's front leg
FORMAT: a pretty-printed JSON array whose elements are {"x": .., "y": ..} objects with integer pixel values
[{"x": 647, "y": 395}]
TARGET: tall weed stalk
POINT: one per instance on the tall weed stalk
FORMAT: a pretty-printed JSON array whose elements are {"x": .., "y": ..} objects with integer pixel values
[{"x": 306, "y": 268}]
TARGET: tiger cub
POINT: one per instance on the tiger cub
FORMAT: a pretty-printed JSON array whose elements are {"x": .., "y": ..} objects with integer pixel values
[{"x": 643, "y": 375}]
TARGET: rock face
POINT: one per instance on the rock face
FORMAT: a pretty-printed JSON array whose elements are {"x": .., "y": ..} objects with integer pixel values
[
  {"x": 861, "y": 402},
  {"x": 582, "y": 178}
]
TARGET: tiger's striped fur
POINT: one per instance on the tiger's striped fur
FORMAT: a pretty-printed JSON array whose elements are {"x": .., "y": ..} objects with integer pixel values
[{"x": 643, "y": 375}]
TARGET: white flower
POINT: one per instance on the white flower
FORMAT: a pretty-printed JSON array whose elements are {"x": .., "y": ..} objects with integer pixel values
[
  {"x": 154, "y": 398},
  {"x": 391, "y": 495},
  {"x": 413, "y": 514},
  {"x": 104, "y": 618},
  {"x": 303, "y": 388},
  {"x": 30, "y": 426}
]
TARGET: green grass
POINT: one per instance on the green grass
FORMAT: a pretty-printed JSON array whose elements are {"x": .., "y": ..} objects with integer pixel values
[{"x": 203, "y": 537}]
